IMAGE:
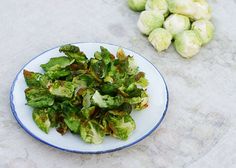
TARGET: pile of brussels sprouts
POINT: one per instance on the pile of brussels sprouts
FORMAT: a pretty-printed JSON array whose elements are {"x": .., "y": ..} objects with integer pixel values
[{"x": 185, "y": 22}]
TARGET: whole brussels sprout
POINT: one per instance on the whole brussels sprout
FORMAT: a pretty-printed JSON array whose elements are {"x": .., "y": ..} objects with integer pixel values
[
  {"x": 160, "y": 39},
  {"x": 176, "y": 23},
  {"x": 149, "y": 20},
  {"x": 137, "y": 5},
  {"x": 205, "y": 30},
  {"x": 158, "y": 5},
  {"x": 202, "y": 10},
  {"x": 194, "y": 9},
  {"x": 187, "y": 43},
  {"x": 184, "y": 7}
]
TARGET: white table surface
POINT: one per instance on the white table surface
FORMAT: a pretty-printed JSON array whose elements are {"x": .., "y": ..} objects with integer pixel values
[{"x": 200, "y": 126}]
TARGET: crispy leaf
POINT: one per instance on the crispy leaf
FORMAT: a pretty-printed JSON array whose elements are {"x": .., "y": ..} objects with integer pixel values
[
  {"x": 62, "y": 89},
  {"x": 57, "y": 63},
  {"x": 40, "y": 117},
  {"x": 38, "y": 97}
]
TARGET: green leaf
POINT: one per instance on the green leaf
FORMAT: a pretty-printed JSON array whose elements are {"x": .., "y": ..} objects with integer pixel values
[
  {"x": 74, "y": 52},
  {"x": 92, "y": 132},
  {"x": 38, "y": 97},
  {"x": 106, "y": 101},
  {"x": 56, "y": 74},
  {"x": 121, "y": 126},
  {"x": 97, "y": 69},
  {"x": 87, "y": 112},
  {"x": 40, "y": 117},
  {"x": 73, "y": 122},
  {"x": 57, "y": 63},
  {"x": 33, "y": 79},
  {"x": 62, "y": 89}
]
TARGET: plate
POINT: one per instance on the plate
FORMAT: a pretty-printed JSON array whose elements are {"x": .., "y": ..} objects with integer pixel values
[{"x": 146, "y": 120}]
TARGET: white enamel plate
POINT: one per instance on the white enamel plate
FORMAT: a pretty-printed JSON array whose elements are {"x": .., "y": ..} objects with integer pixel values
[{"x": 146, "y": 120}]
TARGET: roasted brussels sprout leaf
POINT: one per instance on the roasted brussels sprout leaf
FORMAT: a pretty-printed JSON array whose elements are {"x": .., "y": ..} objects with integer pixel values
[
  {"x": 74, "y": 52},
  {"x": 73, "y": 122},
  {"x": 38, "y": 97},
  {"x": 41, "y": 118},
  {"x": 57, "y": 63},
  {"x": 62, "y": 89},
  {"x": 121, "y": 126},
  {"x": 33, "y": 79},
  {"x": 88, "y": 111},
  {"x": 88, "y": 97},
  {"x": 62, "y": 128},
  {"x": 106, "y": 101},
  {"x": 92, "y": 132},
  {"x": 53, "y": 74}
]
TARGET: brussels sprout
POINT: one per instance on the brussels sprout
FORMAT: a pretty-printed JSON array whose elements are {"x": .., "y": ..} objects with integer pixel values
[
  {"x": 62, "y": 89},
  {"x": 133, "y": 68},
  {"x": 194, "y": 9},
  {"x": 143, "y": 103},
  {"x": 121, "y": 54},
  {"x": 109, "y": 89},
  {"x": 73, "y": 122},
  {"x": 88, "y": 111},
  {"x": 184, "y": 7},
  {"x": 139, "y": 102},
  {"x": 41, "y": 119},
  {"x": 131, "y": 91},
  {"x": 68, "y": 107},
  {"x": 137, "y": 5},
  {"x": 140, "y": 79},
  {"x": 106, "y": 56},
  {"x": 87, "y": 95},
  {"x": 205, "y": 30},
  {"x": 105, "y": 126},
  {"x": 149, "y": 20},
  {"x": 158, "y": 5},
  {"x": 57, "y": 63},
  {"x": 187, "y": 43},
  {"x": 176, "y": 23},
  {"x": 74, "y": 52},
  {"x": 62, "y": 128},
  {"x": 38, "y": 97},
  {"x": 92, "y": 132},
  {"x": 33, "y": 79},
  {"x": 56, "y": 74},
  {"x": 160, "y": 39},
  {"x": 134, "y": 100},
  {"x": 126, "y": 107},
  {"x": 84, "y": 80},
  {"x": 52, "y": 115},
  {"x": 97, "y": 69},
  {"x": 107, "y": 101},
  {"x": 202, "y": 10},
  {"x": 121, "y": 126}
]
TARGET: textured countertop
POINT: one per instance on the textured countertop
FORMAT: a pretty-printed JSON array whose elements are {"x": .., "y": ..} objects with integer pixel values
[{"x": 200, "y": 126}]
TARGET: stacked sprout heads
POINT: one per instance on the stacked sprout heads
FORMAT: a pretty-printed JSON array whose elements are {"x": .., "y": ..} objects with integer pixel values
[{"x": 186, "y": 22}]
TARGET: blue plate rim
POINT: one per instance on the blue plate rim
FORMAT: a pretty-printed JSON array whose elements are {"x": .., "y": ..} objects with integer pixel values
[{"x": 77, "y": 151}]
